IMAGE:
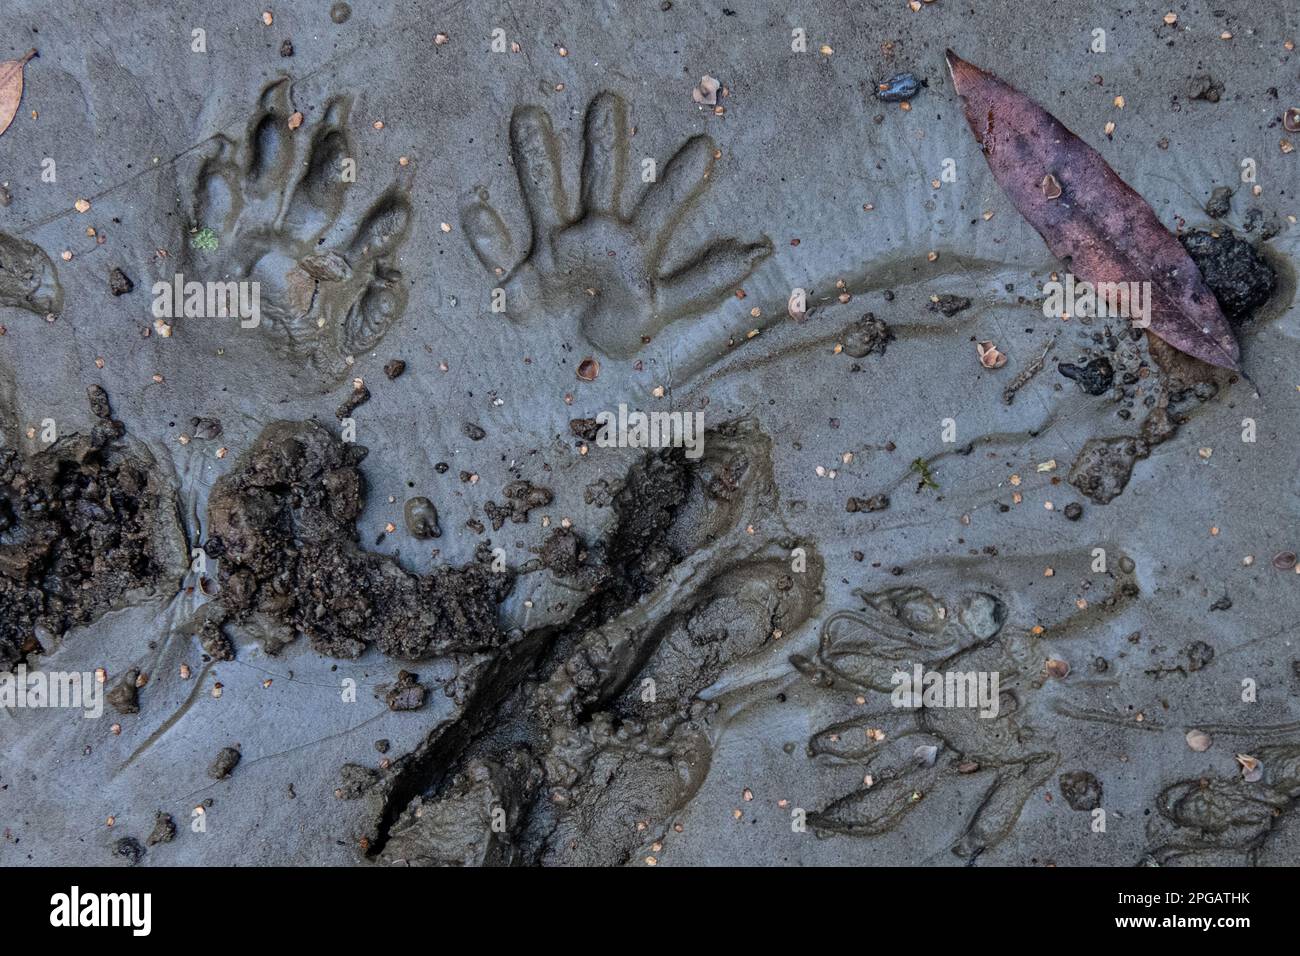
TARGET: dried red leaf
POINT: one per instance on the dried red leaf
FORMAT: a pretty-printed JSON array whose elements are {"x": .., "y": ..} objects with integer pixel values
[
  {"x": 1098, "y": 224},
  {"x": 11, "y": 87}
]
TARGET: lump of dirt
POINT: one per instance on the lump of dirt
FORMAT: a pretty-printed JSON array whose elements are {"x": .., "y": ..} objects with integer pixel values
[
  {"x": 949, "y": 305},
  {"x": 129, "y": 849},
  {"x": 215, "y": 643},
  {"x": 83, "y": 524},
  {"x": 1233, "y": 269},
  {"x": 226, "y": 760},
  {"x": 164, "y": 829},
  {"x": 284, "y": 521},
  {"x": 869, "y": 334},
  {"x": 407, "y": 693},
  {"x": 422, "y": 518},
  {"x": 874, "y": 503},
  {"x": 1104, "y": 465},
  {"x": 1095, "y": 378},
  {"x": 521, "y": 498},
  {"x": 1220, "y": 203},
  {"x": 563, "y": 552}
]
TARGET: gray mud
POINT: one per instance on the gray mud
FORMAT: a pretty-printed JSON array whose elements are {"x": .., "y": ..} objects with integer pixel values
[{"x": 361, "y": 582}]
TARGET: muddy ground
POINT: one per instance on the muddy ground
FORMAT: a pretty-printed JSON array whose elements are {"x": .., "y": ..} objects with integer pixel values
[{"x": 365, "y": 589}]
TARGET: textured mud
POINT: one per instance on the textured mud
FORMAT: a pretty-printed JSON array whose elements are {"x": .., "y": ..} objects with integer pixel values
[
  {"x": 362, "y": 582},
  {"x": 283, "y": 527},
  {"x": 84, "y": 526}
]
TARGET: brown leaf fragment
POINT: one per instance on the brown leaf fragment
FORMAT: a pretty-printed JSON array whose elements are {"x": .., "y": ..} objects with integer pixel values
[
  {"x": 1099, "y": 225},
  {"x": 1051, "y": 188},
  {"x": 11, "y": 88}
]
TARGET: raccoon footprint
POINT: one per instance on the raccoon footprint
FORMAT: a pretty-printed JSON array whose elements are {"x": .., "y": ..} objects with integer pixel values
[
  {"x": 276, "y": 202},
  {"x": 615, "y": 271}
]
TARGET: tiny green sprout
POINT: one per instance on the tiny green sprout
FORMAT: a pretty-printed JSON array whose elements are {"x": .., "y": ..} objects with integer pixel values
[
  {"x": 205, "y": 239},
  {"x": 922, "y": 468}
]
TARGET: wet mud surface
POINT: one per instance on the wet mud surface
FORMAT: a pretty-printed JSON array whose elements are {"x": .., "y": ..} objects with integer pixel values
[{"x": 363, "y": 583}]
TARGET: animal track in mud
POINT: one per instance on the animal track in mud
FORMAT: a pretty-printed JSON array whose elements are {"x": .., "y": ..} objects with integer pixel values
[
  {"x": 84, "y": 524},
  {"x": 277, "y": 201},
  {"x": 898, "y": 628},
  {"x": 1221, "y": 821},
  {"x": 28, "y": 279},
  {"x": 604, "y": 715},
  {"x": 603, "y": 268}
]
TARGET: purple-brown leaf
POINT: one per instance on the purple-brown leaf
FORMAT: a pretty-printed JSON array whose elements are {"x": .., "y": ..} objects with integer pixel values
[{"x": 1088, "y": 216}]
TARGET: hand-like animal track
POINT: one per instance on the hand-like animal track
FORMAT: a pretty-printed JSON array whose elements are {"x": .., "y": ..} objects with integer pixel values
[
  {"x": 605, "y": 267},
  {"x": 901, "y": 627},
  {"x": 328, "y": 289}
]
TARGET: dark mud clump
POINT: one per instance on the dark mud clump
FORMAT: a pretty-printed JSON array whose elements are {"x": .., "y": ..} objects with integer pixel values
[
  {"x": 1220, "y": 203},
  {"x": 874, "y": 503},
  {"x": 1104, "y": 465},
  {"x": 407, "y": 693},
  {"x": 214, "y": 641},
  {"x": 869, "y": 334},
  {"x": 1199, "y": 656},
  {"x": 118, "y": 282},
  {"x": 284, "y": 524},
  {"x": 129, "y": 849},
  {"x": 223, "y": 765},
  {"x": 949, "y": 305},
  {"x": 1095, "y": 378},
  {"x": 521, "y": 498},
  {"x": 586, "y": 428},
  {"x": 422, "y": 518},
  {"x": 164, "y": 829},
  {"x": 359, "y": 396},
  {"x": 83, "y": 524},
  {"x": 1233, "y": 269},
  {"x": 1205, "y": 87},
  {"x": 563, "y": 552}
]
